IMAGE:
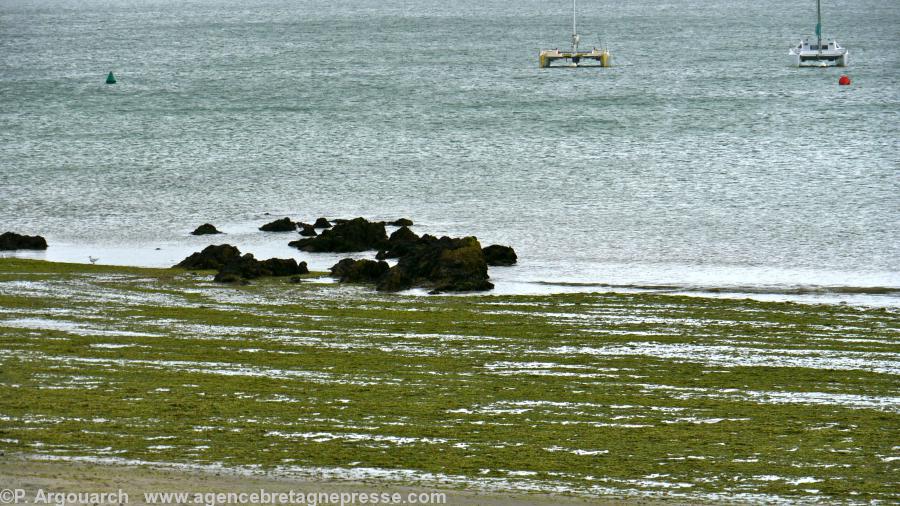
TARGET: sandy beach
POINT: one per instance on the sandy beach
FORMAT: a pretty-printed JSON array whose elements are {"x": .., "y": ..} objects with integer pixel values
[{"x": 30, "y": 475}]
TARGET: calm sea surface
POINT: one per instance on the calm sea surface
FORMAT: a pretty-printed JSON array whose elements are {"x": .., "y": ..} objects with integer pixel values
[{"x": 702, "y": 161}]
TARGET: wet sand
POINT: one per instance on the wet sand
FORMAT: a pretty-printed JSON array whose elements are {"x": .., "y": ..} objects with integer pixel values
[{"x": 23, "y": 472}]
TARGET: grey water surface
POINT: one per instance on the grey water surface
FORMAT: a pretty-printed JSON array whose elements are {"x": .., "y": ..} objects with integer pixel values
[{"x": 700, "y": 163}]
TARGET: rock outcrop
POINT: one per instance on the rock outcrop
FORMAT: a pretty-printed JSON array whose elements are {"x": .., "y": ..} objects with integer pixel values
[
  {"x": 322, "y": 223},
  {"x": 349, "y": 270},
  {"x": 357, "y": 234},
  {"x": 205, "y": 229},
  {"x": 283, "y": 267},
  {"x": 282, "y": 225},
  {"x": 233, "y": 266},
  {"x": 445, "y": 265},
  {"x": 499, "y": 255},
  {"x": 247, "y": 267},
  {"x": 307, "y": 230},
  {"x": 442, "y": 264},
  {"x": 12, "y": 241},
  {"x": 212, "y": 257}
]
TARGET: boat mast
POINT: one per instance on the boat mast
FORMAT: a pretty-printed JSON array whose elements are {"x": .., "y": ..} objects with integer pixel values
[
  {"x": 575, "y": 37},
  {"x": 819, "y": 25}
]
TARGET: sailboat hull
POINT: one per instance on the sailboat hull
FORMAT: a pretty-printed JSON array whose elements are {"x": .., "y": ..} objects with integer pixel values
[
  {"x": 811, "y": 55},
  {"x": 576, "y": 59}
]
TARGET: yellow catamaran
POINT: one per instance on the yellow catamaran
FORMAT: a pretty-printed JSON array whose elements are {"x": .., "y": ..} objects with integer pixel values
[{"x": 574, "y": 57}]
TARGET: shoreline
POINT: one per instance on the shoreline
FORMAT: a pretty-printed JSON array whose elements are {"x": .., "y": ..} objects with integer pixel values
[{"x": 508, "y": 280}]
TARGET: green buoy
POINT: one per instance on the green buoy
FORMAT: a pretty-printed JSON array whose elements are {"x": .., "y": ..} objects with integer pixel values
[{"x": 110, "y": 79}]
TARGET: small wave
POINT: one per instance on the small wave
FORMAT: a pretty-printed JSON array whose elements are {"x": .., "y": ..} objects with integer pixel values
[{"x": 750, "y": 289}]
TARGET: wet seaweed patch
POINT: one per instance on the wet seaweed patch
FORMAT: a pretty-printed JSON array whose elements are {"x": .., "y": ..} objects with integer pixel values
[{"x": 590, "y": 394}]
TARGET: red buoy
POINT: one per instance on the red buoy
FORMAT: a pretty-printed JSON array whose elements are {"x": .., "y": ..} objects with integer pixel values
[{"x": 844, "y": 80}]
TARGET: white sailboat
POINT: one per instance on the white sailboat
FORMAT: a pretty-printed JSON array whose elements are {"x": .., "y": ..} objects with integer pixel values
[
  {"x": 822, "y": 53},
  {"x": 547, "y": 56}
]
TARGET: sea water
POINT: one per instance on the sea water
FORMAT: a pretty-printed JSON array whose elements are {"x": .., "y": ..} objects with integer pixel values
[{"x": 701, "y": 162}]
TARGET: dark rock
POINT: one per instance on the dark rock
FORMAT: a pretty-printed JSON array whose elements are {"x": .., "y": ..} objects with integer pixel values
[
  {"x": 403, "y": 235},
  {"x": 349, "y": 270},
  {"x": 401, "y": 242},
  {"x": 499, "y": 255},
  {"x": 13, "y": 241},
  {"x": 232, "y": 266},
  {"x": 283, "y": 267},
  {"x": 245, "y": 266},
  {"x": 322, "y": 223},
  {"x": 402, "y": 222},
  {"x": 212, "y": 257},
  {"x": 445, "y": 264},
  {"x": 205, "y": 229},
  {"x": 342, "y": 267},
  {"x": 282, "y": 225},
  {"x": 248, "y": 267},
  {"x": 307, "y": 230},
  {"x": 354, "y": 235},
  {"x": 338, "y": 221}
]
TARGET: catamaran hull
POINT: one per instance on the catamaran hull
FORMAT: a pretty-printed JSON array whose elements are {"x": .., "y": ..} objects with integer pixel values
[
  {"x": 820, "y": 61},
  {"x": 577, "y": 58},
  {"x": 814, "y": 59},
  {"x": 819, "y": 54}
]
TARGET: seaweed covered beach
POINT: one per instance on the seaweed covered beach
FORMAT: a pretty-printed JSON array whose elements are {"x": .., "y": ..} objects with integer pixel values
[{"x": 590, "y": 395}]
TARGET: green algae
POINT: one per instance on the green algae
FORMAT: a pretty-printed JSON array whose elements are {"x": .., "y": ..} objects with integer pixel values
[{"x": 640, "y": 393}]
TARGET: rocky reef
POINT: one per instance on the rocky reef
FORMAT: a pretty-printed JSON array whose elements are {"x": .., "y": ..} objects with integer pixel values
[
  {"x": 233, "y": 266},
  {"x": 443, "y": 265}
]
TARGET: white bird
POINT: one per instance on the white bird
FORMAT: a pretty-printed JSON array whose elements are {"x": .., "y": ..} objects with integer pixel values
[{"x": 92, "y": 259}]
